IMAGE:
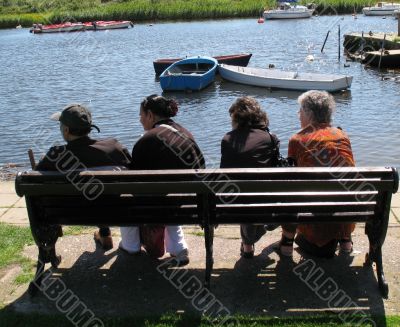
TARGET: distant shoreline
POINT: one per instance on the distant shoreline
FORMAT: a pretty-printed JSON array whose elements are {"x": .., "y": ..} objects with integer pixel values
[{"x": 156, "y": 10}]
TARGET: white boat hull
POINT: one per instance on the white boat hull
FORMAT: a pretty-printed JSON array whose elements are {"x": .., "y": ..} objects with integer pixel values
[
  {"x": 112, "y": 26},
  {"x": 287, "y": 14},
  {"x": 386, "y": 9},
  {"x": 273, "y": 78}
]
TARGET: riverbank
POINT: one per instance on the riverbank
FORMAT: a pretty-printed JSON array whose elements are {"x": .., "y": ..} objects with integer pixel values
[{"x": 27, "y": 13}]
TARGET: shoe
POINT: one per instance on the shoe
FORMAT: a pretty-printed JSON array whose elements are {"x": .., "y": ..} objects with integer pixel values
[
  {"x": 346, "y": 245},
  {"x": 285, "y": 246},
  {"x": 182, "y": 258},
  {"x": 106, "y": 242},
  {"x": 128, "y": 251},
  {"x": 246, "y": 255}
]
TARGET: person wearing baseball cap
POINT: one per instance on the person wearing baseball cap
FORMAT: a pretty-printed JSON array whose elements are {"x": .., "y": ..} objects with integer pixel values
[{"x": 82, "y": 152}]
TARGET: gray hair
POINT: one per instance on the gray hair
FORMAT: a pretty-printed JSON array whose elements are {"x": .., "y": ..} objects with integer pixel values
[{"x": 318, "y": 106}]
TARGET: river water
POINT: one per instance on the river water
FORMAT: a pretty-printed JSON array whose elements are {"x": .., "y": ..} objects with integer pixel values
[{"x": 111, "y": 72}]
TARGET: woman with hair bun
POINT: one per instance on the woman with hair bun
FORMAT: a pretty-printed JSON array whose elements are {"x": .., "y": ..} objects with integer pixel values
[{"x": 165, "y": 145}]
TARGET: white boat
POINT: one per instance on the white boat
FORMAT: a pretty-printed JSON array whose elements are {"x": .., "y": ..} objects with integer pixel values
[
  {"x": 274, "y": 78},
  {"x": 381, "y": 9},
  {"x": 287, "y": 11},
  {"x": 113, "y": 24}
]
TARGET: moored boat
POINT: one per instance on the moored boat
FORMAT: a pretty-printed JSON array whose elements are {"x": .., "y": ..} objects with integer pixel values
[
  {"x": 57, "y": 28},
  {"x": 285, "y": 10},
  {"x": 274, "y": 78},
  {"x": 194, "y": 74},
  {"x": 241, "y": 59},
  {"x": 72, "y": 27},
  {"x": 381, "y": 9},
  {"x": 112, "y": 24},
  {"x": 387, "y": 58}
]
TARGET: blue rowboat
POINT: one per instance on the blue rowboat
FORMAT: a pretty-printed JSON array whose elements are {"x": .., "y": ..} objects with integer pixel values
[{"x": 194, "y": 74}]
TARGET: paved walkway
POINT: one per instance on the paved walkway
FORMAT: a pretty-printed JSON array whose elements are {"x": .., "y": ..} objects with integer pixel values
[{"x": 113, "y": 283}]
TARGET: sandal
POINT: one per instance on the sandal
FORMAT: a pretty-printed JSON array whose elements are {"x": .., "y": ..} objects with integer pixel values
[
  {"x": 285, "y": 246},
  {"x": 346, "y": 245},
  {"x": 247, "y": 255}
]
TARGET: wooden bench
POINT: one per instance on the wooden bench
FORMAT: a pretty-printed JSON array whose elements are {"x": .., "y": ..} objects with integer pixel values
[{"x": 207, "y": 198}]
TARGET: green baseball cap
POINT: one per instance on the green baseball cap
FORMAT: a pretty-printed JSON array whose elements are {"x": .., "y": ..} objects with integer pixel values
[{"x": 75, "y": 116}]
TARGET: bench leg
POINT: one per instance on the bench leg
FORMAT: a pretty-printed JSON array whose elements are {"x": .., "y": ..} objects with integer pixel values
[
  {"x": 375, "y": 255},
  {"x": 383, "y": 285},
  {"x": 45, "y": 237},
  {"x": 35, "y": 285},
  {"x": 209, "y": 240}
]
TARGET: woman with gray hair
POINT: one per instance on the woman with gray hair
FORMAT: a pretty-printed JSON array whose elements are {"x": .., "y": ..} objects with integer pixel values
[
  {"x": 318, "y": 144},
  {"x": 249, "y": 145}
]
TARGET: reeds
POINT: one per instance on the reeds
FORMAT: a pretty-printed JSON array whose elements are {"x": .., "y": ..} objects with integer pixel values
[{"x": 37, "y": 11}]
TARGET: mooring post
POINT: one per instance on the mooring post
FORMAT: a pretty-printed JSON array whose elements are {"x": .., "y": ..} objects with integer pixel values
[
  {"x": 338, "y": 43},
  {"x": 398, "y": 22}
]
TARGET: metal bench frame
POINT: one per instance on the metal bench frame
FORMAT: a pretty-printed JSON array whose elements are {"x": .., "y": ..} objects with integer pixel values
[{"x": 208, "y": 197}]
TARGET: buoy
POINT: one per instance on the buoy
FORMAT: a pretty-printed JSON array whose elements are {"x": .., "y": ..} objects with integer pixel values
[
  {"x": 260, "y": 20},
  {"x": 18, "y": 26},
  {"x": 310, "y": 58},
  {"x": 271, "y": 66}
]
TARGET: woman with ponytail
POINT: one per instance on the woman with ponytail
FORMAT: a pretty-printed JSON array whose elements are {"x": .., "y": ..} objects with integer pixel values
[{"x": 165, "y": 145}]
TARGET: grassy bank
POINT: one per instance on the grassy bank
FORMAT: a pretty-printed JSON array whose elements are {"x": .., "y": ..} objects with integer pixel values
[
  {"x": 12, "y": 241},
  {"x": 27, "y": 12},
  {"x": 9, "y": 318}
]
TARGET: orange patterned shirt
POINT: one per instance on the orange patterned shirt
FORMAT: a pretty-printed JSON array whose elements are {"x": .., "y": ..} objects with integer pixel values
[{"x": 322, "y": 146}]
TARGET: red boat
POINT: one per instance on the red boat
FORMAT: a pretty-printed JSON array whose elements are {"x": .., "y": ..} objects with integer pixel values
[
  {"x": 236, "y": 59},
  {"x": 56, "y": 28},
  {"x": 73, "y": 27}
]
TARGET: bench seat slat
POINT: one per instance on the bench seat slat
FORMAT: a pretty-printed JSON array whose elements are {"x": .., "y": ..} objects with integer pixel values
[
  {"x": 240, "y": 218},
  {"x": 201, "y": 187}
]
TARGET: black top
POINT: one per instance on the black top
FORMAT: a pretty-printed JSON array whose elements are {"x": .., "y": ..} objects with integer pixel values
[
  {"x": 248, "y": 148},
  {"x": 85, "y": 152},
  {"x": 167, "y": 146}
]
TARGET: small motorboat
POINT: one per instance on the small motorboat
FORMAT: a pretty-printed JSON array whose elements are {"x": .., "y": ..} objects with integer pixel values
[
  {"x": 274, "y": 78},
  {"x": 236, "y": 59},
  {"x": 111, "y": 24},
  {"x": 191, "y": 74},
  {"x": 383, "y": 59},
  {"x": 381, "y": 9},
  {"x": 285, "y": 10},
  {"x": 57, "y": 28}
]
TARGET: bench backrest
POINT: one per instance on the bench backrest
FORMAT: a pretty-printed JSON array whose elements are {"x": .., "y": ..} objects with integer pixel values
[{"x": 231, "y": 196}]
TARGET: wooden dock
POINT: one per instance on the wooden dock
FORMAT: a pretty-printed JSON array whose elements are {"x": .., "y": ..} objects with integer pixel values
[{"x": 370, "y": 41}]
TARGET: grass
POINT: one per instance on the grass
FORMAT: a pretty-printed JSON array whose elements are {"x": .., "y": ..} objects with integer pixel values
[
  {"x": 12, "y": 241},
  {"x": 78, "y": 230},
  {"x": 9, "y": 318},
  {"x": 27, "y": 12}
]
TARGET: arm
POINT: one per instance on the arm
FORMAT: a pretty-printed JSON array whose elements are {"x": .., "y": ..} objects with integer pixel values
[{"x": 49, "y": 161}]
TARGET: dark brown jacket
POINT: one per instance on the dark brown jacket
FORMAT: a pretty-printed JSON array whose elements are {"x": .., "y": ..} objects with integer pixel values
[
  {"x": 167, "y": 146},
  {"x": 247, "y": 148},
  {"x": 85, "y": 153}
]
